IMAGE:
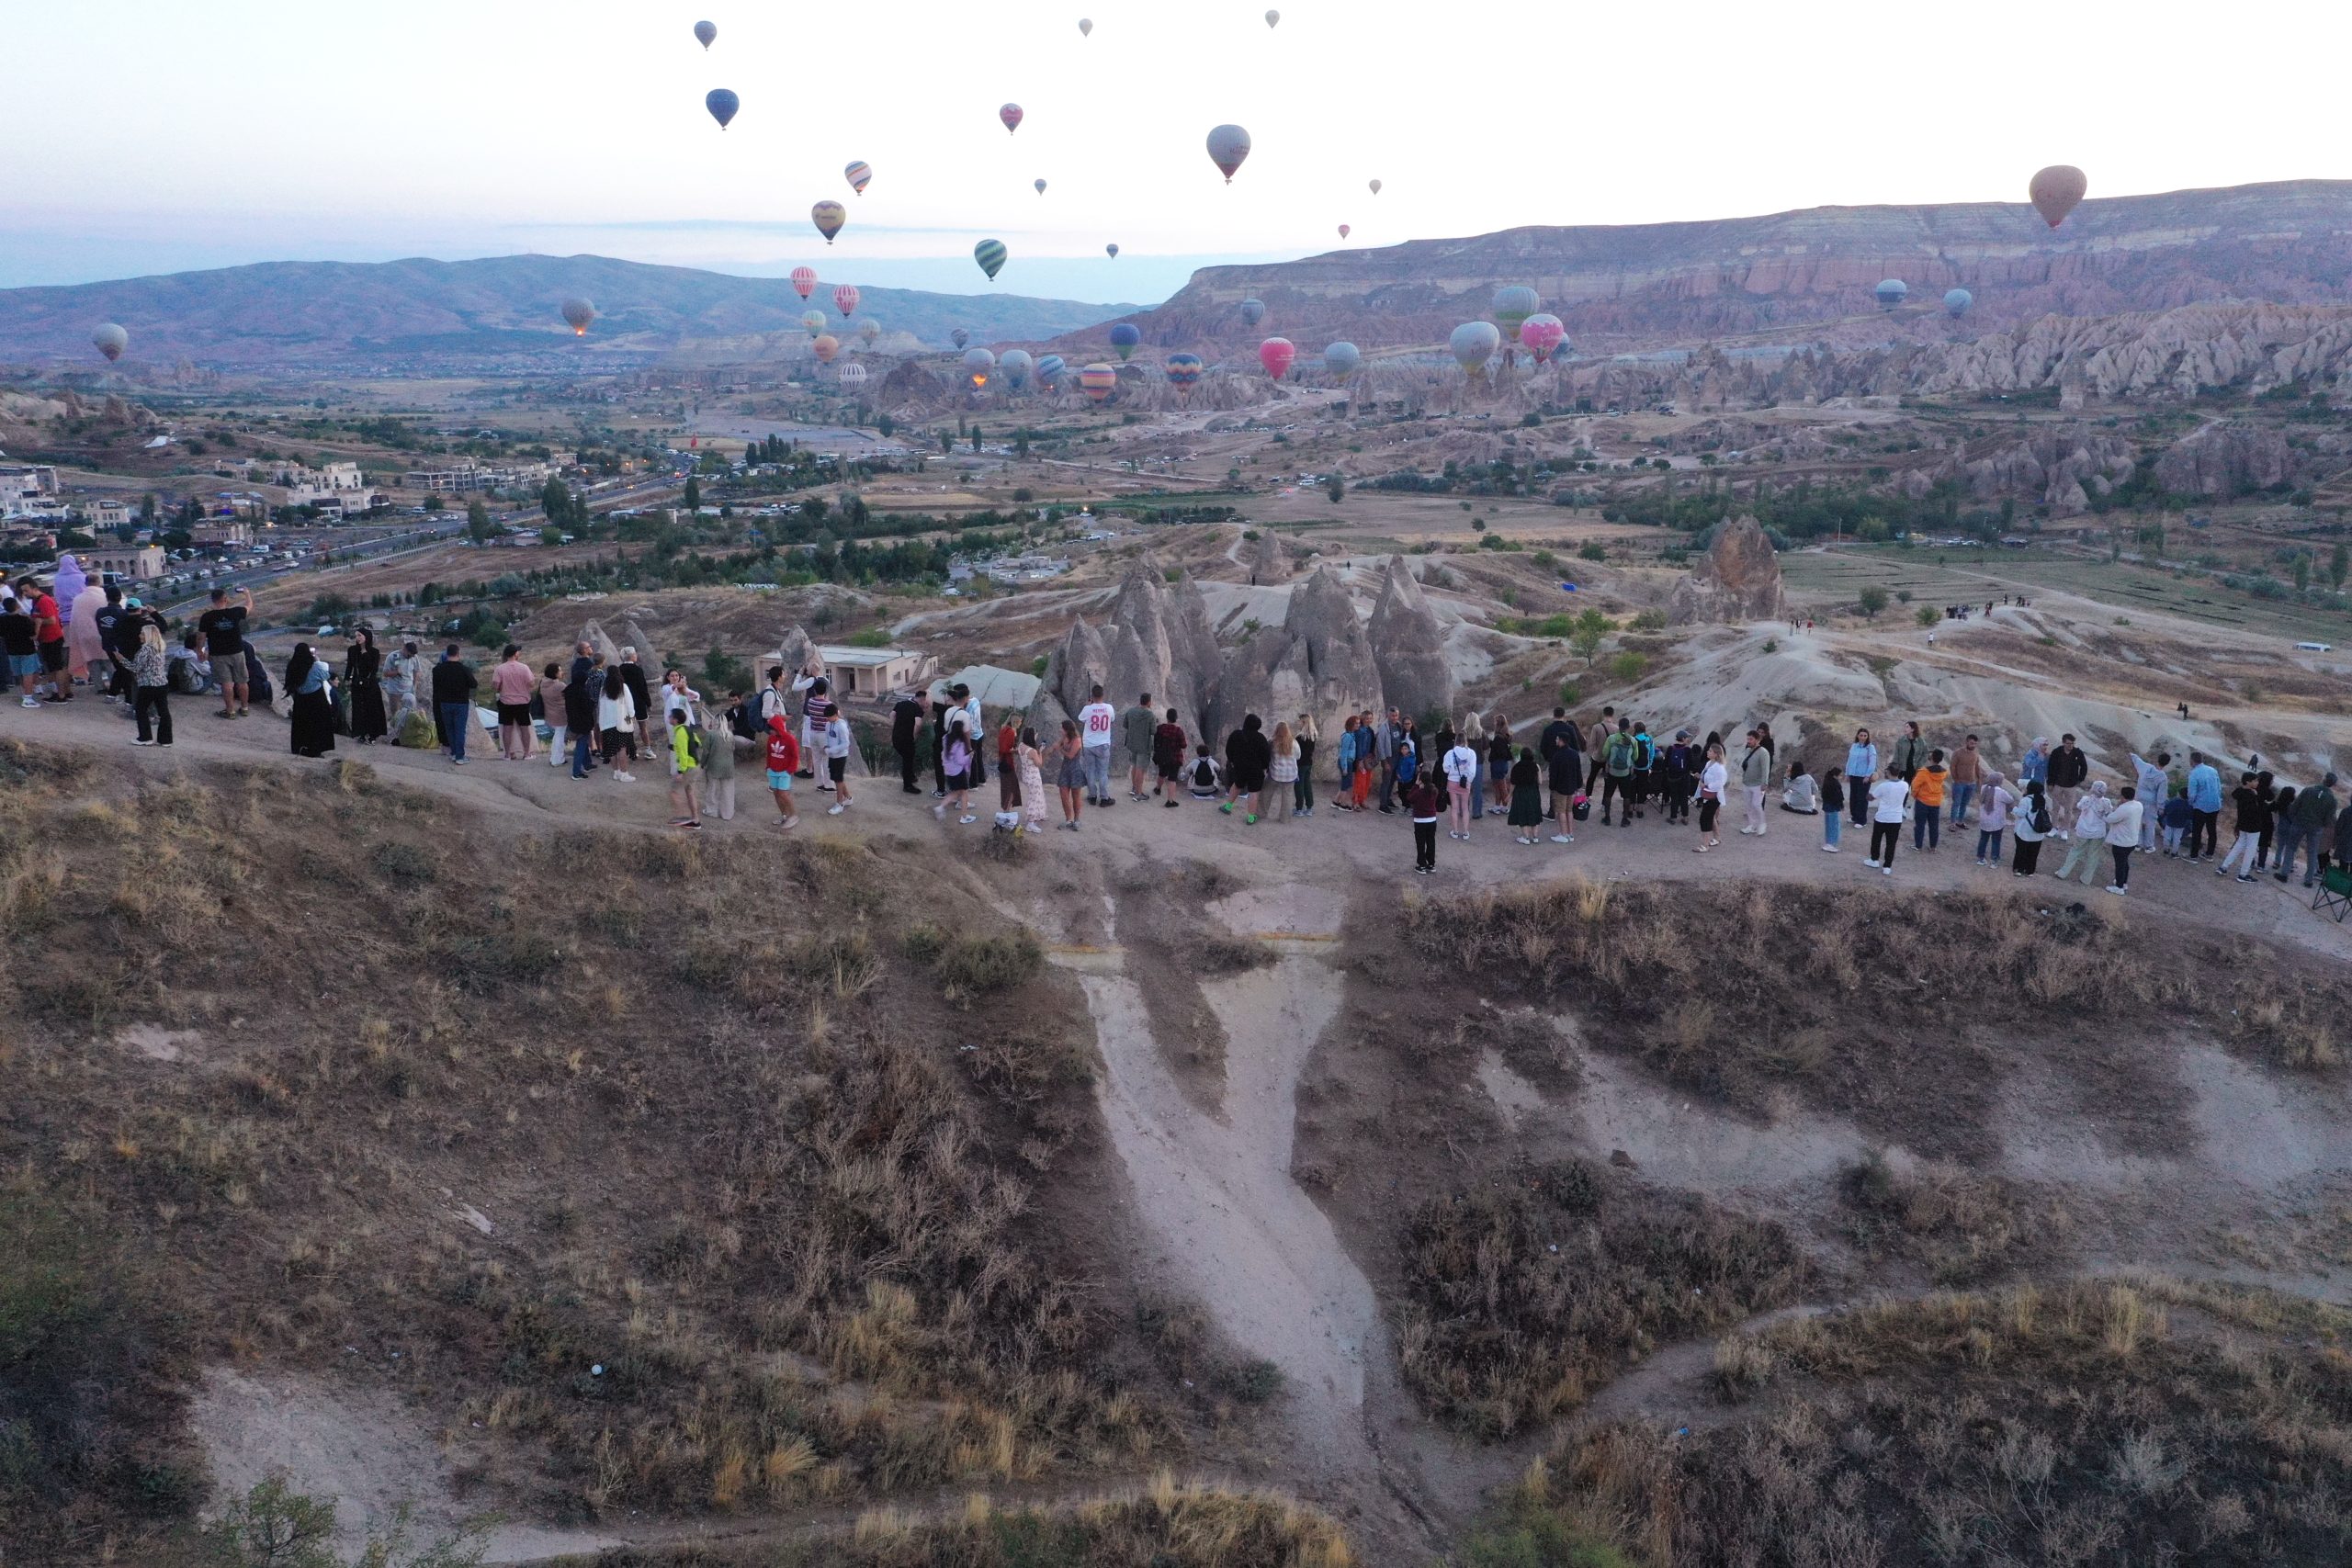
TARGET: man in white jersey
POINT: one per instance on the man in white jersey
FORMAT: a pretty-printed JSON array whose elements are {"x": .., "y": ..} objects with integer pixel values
[{"x": 1098, "y": 724}]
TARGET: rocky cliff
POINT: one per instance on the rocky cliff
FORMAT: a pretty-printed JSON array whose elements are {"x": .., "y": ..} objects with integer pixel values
[
  {"x": 1408, "y": 646},
  {"x": 1737, "y": 580}
]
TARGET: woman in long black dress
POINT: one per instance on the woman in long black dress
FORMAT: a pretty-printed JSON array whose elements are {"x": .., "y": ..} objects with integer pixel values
[
  {"x": 306, "y": 681},
  {"x": 363, "y": 669}
]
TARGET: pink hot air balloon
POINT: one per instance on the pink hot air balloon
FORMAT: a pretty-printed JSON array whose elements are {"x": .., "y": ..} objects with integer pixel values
[
  {"x": 1010, "y": 115},
  {"x": 1540, "y": 335},
  {"x": 1275, "y": 354},
  {"x": 845, "y": 298},
  {"x": 804, "y": 281},
  {"x": 1343, "y": 231}
]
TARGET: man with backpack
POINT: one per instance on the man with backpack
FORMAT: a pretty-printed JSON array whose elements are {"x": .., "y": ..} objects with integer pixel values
[
  {"x": 1680, "y": 770},
  {"x": 580, "y": 692},
  {"x": 686, "y": 769},
  {"x": 783, "y": 760},
  {"x": 1386, "y": 752},
  {"x": 1644, "y": 768},
  {"x": 1617, "y": 759},
  {"x": 1597, "y": 746}
]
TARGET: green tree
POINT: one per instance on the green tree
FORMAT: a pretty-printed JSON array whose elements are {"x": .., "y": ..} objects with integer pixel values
[
  {"x": 946, "y": 444},
  {"x": 884, "y": 424},
  {"x": 1335, "y": 488},
  {"x": 433, "y": 503},
  {"x": 1927, "y": 615},
  {"x": 1872, "y": 600},
  {"x": 1592, "y": 549},
  {"x": 555, "y": 499},
  {"x": 1588, "y": 632},
  {"x": 1021, "y": 445},
  {"x": 2303, "y": 571},
  {"x": 694, "y": 494},
  {"x": 2339, "y": 566},
  {"x": 478, "y": 528},
  {"x": 976, "y": 438},
  {"x": 550, "y": 535}
]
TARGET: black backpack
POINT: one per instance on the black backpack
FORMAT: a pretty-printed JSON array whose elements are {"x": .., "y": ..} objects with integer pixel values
[
  {"x": 2042, "y": 815},
  {"x": 744, "y": 720}
]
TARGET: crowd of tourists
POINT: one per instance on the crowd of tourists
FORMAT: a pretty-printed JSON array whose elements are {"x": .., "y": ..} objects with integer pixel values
[{"x": 1545, "y": 778}]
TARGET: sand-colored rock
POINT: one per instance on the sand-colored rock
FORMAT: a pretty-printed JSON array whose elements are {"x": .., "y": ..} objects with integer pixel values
[
  {"x": 1318, "y": 661},
  {"x": 1737, "y": 580},
  {"x": 1267, "y": 559},
  {"x": 1408, "y": 645}
]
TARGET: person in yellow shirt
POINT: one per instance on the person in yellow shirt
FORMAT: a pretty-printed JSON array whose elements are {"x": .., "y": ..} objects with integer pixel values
[
  {"x": 685, "y": 770},
  {"x": 1927, "y": 788}
]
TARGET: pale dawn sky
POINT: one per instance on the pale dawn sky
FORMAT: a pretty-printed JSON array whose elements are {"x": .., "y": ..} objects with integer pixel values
[{"x": 158, "y": 135}]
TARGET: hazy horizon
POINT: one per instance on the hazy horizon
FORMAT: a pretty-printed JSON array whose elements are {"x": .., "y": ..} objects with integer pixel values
[{"x": 156, "y": 138}]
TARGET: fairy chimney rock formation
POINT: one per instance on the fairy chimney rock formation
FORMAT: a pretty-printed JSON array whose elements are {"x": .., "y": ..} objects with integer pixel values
[
  {"x": 601, "y": 643},
  {"x": 1737, "y": 580},
  {"x": 1267, "y": 561},
  {"x": 1406, "y": 644},
  {"x": 1318, "y": 661}
]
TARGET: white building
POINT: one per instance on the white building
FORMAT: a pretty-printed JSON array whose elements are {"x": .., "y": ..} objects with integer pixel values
[{"x": 331, "y": 478}]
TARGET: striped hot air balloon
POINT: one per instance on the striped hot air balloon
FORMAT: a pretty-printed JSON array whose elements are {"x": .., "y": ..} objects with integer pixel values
[
  {"x": 990, "y": 254},
  {"x": 804, "y": 281},
  {"x": 1050, "y": 368},
  {"x": 845, "y": 298},
  {"x": 1473, "y": 343},
  {"x": 828, "y": 217},
  {"x": 1010, "y": 115},
  {"x": 860, "y": 173},
  {"x": 1098, "y": 382},
  {"x": 814, "y": 321},
  {"x": 1276, "y": 354},
  {"x": 868, "y": 332},
  {"x": 1513, "y": 304},
  {"x": 1184, "y": 371},
  {"x": 959, "y": 337},
  {"x": 851, "y": 375}
]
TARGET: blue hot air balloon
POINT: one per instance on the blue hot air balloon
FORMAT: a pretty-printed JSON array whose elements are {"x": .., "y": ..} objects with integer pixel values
[
  {"x": 1184, "y": 370},
  {"x": 1252, "y": 312},
  {"x": 1891, "y": 292},
  {"x": 1124, "y": 337},
  {"x": 1015, "y": 366},
  {"x": 1050, "y": 368},
  {"x": 1957, "y": 301},
  {"x": 722, "y": 105},
  {"x": 1342, "y": 358}
]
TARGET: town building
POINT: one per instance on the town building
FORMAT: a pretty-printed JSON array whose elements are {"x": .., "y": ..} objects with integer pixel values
[
  {"x": 218, "y": 531},
  {"x": 876, "y": 672},
  {"x": 139, "y": 563}
]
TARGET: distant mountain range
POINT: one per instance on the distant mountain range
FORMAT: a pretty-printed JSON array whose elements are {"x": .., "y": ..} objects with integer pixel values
[
  {"x": 1793, "y": 276},
  {"x": 503, "y": 314}
]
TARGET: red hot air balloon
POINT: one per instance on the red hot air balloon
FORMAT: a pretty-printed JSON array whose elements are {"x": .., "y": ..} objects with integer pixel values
[
  {"x": 1275, "y": 354},
  {"x": 845, "y": 298},
  {"x": 2055, "y": 190},
  {"x": 1010, "y": 115},
  {"x": 804, "y": 281}
]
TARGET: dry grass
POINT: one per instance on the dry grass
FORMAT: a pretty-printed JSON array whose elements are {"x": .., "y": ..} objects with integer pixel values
[
  {"x": 1963, "y": 1226},
  {"x": 2073, "y": 1425},
  {"x": 1522, "y": 1298},
  {"x": 1867, "y": 1007},
  {"x": 799, "y": 1207},
  {"x": 1167, "y": 1526}
]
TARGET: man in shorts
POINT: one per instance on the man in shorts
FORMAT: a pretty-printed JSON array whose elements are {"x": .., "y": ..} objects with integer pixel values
[
  {"x": 19, "y": 649},
  {"x": 1135, "y": 729},
  {"x": 838, "y": 741},
  {"x": 223, "y": 629},
  {"x": 784, "y": 760}
]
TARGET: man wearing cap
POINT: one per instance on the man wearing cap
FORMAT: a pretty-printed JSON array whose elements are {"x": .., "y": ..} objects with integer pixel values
[{"x": 1678, "y": 776}]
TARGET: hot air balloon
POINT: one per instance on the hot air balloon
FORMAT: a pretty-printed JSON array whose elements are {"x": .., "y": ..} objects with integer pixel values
[
  {"x": 1041, "y": 188},
  {"x": 1014, "y": 367},
  {"x": 2055, "y": 190},
  {"x": 1375, "y": 187},
  {"x": 1272, "y": 16},
  {"x": 1540, "y": 335},
  {"x": 1184, "y": 370},
  {"x": 814, "y": 320},
  {"x": 1111, "y": 250},
  {"x": 1252, "y": 312},
  {"x": 707, "y": 32},
  {"x": 1342, "y": 358},
  {"x": 722, "y": 105},
  {"x": 1010, "y": 115},
  {"x": 1474, "y": 342},
  {"x": 868, "y": 332},
  {"x": 804, "y": 281},
  {"x": 845, "y": 298},
  {"x": 860, "y": 173},
  {"x": 1513, "y": 304},
  {"x": 1343, "y": 231},
  {"x": 1891, "y": 292},
  {"x": 851, "y": 375},
  {"x": 1085, "y": 27},
  {"x": 1957, "y": 301},
  {"x": 990, "y": 254},
  {"x": 1228, "y": 144},
  {"x": 1050, "y": 368},
  {"x": 828, "y": 217},
  {"x": 1275, "y": 354},
  {"x": 977, "y": 363},
  {"x": 1098, "y": 381},
  {"x": 825, "y": 347},
  {"x": 578, "y": 314},
  {"x": 110, "y": 340},
  {"x": 1124, "y": 337},
  {"x": 959, "y": 337}
]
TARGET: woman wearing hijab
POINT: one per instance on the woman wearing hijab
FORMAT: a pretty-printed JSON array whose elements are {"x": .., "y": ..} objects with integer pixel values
[
  {"x": 363, "y": 670},
  {"x": 307, "y": 684},
  {"x": 85, "y": 644}
]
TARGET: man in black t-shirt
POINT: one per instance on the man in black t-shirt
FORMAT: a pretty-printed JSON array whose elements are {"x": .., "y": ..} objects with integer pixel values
[
  {"x": 19, "y": 649},
  {"x": 110, "y": 618},
  {"x": 223, "y": 627},
  {"x": 906, "y": 717}
]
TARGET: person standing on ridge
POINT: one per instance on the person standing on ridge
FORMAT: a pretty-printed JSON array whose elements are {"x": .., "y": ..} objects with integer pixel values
[
  {"x": 1862, "y": 767},
  {"x": 1098, "y": 722},
  {"x": 1136, "y": 727},
  {"x": 2061, "y": 773}
]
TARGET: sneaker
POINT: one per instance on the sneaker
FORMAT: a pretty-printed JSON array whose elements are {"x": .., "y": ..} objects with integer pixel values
[
  {"x": 789, "y": 822},
  {"x": 935, "y": 795},
  {"x": 1250, "y": 822},
  {"x": 696, "y": 826},
  {"x": 967, "y": 819},
  {"x": 460, "y": 761},
  {"x": 940, "y": 812},
  {"x": 1886, "y": 871},
  {"x": 1871, "y": 864},
  {"x": 2118, "y": 892},
  {"x": 1700, "y": 850},
  {"x": 1525, "y": 839},
  {"x": 2244, "y": 878},
  {"x": 836, "y": 809},
  {"x": 1169, "y": 804},
  {"x": 1227, "y": 809},
  {"x": 142, "y": 743},
  {"x": 31, "y": 702},
  {"x": 1829, "y": 849},
  {"x": 624, "y": 778},
  {"x": 1748, "y": 830},
  {"x": 1564, "y": 838},
  {"x": 2223, "y": 871}
]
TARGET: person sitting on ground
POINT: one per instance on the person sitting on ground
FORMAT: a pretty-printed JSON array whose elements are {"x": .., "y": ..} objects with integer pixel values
[
  {"x": 1203, "y": 778},
  {"x": 1801, "y": 795}
]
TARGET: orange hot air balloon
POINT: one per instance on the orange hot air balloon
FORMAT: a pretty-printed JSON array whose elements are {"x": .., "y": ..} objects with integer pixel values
[
  {"x": 2055, "y": 190},
  {"x": 824, "y": 348}
]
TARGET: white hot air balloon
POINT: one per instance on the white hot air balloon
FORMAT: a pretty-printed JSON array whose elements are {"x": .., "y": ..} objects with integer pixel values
[
  {"x": 1375, "y": 187},
  {"x": 1272, "y": 16},
  {"x": 1085, "y": 27}
]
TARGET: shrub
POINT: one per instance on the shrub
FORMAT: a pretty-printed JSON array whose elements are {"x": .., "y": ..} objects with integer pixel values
[
  {"x": 979, "y": 964},
  {"x": 1592, "y": 549}
]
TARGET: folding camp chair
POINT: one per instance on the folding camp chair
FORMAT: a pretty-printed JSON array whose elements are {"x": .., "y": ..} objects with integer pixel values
[{"x": 2335, "y": 895}]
